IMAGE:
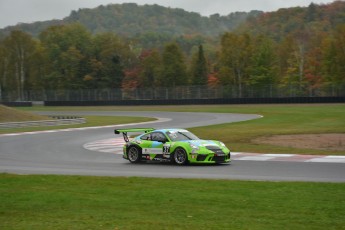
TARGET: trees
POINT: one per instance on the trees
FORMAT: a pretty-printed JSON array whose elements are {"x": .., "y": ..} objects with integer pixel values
[
  {"x": 17, "y": 50},
  {"x": 334, "y": 56},
  {"x": 174, "y": 67},
  {"x": 66, "y": 48},
  {"x": 263, "y": 67},
  {"x": 78, "y": 60},
  {"x": 110, "y": 57},
  {"x": 339, "y": 39},
  {"x": 151, "y": 69},
  {"x": 3, "y": 69},
  {"x": 290, "y": 58},
  {"x": 299, "y": 50},
  {"x": 235, "y": 57},
  {"x": 199, "y": 70}
]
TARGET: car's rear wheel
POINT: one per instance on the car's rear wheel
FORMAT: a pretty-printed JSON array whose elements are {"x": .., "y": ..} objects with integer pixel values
[
  {"x": 180, "y": 156},
  {"x": 134, "y": 154}
]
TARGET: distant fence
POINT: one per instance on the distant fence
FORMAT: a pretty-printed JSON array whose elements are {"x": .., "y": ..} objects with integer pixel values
[
  {"x": 17, "y": 103},
  {"x": 201, "y": 101},
  {"x": 176, "y": 93}
]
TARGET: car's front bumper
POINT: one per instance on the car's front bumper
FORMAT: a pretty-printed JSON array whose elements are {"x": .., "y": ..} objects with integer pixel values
[{"x": 210, "y": 158}]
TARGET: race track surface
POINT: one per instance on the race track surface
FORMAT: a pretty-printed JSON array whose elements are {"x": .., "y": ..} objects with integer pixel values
[{"x": 64, "y": 152}]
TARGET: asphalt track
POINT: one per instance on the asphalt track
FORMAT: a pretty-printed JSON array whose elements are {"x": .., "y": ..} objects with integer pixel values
[{"x": 62, "y": 152}]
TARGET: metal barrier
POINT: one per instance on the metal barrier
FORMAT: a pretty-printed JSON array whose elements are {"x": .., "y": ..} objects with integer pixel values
[
  {"x": 57, "y": 122},
  {"x": 177, "y": 93},
  {"x": 201, "y": 101}
]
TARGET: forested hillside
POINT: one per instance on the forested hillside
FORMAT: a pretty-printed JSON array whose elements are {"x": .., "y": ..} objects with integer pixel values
[
  {"x": 291, "y": 52},
  {"x": 305, "y": 21},
  {"x": 130, "y": 19}
]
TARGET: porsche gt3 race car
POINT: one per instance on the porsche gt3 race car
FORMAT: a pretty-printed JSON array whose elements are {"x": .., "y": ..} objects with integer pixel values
[{"x": 172, "y": 145}]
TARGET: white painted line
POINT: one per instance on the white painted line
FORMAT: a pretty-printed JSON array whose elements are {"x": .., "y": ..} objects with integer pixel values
[
  {"x": 159, "y": 119},
  {"x": 254, "y": 158},
  {"x": 328, "y": 159},
  {"x": 278, "y": 155},
  {"x": 335, "y": 157}
]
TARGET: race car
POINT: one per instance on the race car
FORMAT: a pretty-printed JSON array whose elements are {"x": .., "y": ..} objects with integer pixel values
[{"x": 171, "y": 145}]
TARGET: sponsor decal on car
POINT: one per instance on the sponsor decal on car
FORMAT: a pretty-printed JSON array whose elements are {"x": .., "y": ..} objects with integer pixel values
[{"x": 152, "y": 150}]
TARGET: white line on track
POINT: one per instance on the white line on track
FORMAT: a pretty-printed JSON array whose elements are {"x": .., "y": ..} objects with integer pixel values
[{"x": 159, "y": 119}]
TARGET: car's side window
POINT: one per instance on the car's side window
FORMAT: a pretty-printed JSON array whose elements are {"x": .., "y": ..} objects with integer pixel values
[
  {"x": 158, "y": 136},
  {"x": 146, "y": 137}
]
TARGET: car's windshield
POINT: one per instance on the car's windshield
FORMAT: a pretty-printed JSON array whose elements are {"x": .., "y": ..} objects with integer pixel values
[{"x": 181, "y": 135}]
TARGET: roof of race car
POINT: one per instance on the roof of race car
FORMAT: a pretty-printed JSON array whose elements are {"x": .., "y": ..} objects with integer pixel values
[
  {"x": 170, "y": 130},
  {"x": 147, "y": 130}
]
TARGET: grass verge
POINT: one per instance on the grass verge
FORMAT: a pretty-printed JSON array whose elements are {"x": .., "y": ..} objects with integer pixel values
[
  {"x": 75, "y": 202},
  {"x": 8, "y": 114},
  {"x": 277, "y": 120}
]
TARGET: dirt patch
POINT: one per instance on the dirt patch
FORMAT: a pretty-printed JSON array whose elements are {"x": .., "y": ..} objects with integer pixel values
[{"x": 331, "y": 141}]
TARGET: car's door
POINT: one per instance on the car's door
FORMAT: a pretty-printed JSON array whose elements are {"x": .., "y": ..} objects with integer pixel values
[{"x": 157, "y": 146}]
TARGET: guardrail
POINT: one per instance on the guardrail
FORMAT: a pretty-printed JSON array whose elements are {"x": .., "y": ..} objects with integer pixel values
[
  {"x": 17, "y": 103},
  {"x": 57, "y": 122},
  {"x": 218, "y": 101},
  {"x": 327, "y": 89}
]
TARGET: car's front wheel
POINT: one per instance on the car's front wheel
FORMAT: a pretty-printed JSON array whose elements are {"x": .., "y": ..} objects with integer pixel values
[
  {"x": 180, "y": 156},
  {"x": 134, "y": 154}
]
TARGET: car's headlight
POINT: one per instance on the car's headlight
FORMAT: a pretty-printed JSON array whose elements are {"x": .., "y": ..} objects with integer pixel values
[
  {"x": 194, "y": 147},
  {"x": 222, "y": 144}
]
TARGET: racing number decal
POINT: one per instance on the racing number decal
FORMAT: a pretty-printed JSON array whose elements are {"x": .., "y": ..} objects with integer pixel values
[{"x": 166, "y": 149}]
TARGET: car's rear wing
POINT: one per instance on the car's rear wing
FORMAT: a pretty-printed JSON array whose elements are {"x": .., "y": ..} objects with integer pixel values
[{"x": 134, "y": 130}]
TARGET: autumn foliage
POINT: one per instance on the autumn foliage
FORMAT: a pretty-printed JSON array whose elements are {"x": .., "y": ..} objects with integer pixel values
[{"x": 301, "y": 48}]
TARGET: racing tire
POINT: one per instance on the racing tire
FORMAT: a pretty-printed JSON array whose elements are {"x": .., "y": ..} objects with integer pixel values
[
  {"x": 134, "y": 154},
  {"x": 180, "y": 156}
]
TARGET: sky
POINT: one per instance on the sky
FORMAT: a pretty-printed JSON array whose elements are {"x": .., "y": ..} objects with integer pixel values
[{"x": 13, "y": 12}]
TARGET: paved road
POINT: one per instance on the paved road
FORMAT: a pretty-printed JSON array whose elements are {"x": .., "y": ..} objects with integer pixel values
[{"x": 62, "y": 152}]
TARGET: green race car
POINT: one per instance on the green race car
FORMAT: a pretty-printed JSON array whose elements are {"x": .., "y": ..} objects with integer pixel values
[{"x": 172, "y": 145}]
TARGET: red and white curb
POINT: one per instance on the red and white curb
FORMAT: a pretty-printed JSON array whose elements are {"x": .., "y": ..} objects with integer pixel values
[
  {"x": 114, "y": 145},
  {"x": 287, "y": 157}
]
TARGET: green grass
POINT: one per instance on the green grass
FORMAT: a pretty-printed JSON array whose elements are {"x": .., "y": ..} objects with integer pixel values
[
  {"x": 277, "y": 120},
  {"x": 75, "y": 202}
]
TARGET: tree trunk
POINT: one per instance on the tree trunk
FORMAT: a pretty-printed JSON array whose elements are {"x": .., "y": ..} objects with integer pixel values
[
  {"x": 22, "y": 75},
  {"x": 301, "y": 65},
  {"x": 239, "y": 78}
]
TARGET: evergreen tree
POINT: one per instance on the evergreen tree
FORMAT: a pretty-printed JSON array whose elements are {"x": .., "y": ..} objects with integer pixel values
[
  {"x": 174, "y": 67},
  {"x": 199, "y": 70}
]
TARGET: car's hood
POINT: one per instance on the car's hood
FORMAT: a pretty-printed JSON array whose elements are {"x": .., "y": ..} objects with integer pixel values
[{"x": 204, "y": 143}]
